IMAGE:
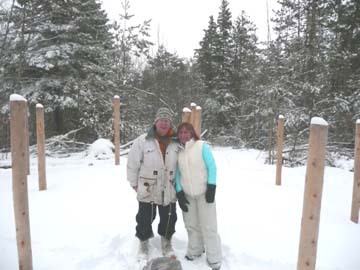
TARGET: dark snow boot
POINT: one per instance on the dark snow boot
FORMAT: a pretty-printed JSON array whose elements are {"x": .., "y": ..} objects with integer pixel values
[{"x": 143, "y": 250}]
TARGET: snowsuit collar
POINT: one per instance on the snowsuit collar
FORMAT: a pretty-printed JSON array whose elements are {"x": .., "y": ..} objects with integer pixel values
[{"x": 188, "y": 144}]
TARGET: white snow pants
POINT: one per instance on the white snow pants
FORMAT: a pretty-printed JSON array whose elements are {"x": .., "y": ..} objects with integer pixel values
[{"x": 201, "y": 225}]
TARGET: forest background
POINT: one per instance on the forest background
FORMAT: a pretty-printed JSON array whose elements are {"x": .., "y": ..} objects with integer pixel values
[{"x": 67, "y": 56}]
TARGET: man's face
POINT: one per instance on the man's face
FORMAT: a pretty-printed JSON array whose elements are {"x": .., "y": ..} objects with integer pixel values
[{"x": 162, "y": 126}]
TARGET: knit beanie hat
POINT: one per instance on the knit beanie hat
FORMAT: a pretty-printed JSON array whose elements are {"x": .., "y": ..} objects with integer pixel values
[{"x": 163, "y": 113}]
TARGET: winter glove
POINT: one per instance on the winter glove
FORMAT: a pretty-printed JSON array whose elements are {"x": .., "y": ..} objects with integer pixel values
[
  {"x": 182, "y": 200},
  {"x": 210, "y": 193}
]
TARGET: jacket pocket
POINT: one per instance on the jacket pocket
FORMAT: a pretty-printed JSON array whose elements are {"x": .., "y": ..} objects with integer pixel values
[
  {"x": 149, "y": 151},
  {"x": 147, "y": 183}
]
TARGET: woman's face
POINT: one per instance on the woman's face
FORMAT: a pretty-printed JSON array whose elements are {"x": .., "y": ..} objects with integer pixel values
[{"x": 184, "y": 135}]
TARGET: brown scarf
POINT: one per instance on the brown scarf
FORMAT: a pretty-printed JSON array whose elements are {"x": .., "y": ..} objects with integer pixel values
[{"x": 164, "y": 141}]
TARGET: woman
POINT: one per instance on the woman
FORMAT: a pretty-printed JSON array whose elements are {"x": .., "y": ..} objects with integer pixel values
[{"x": 195, "y": 184}]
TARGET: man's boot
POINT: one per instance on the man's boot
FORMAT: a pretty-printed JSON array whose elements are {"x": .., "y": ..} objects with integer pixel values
[
  {"x": 144, "y": 250},
  {"x": 166, "y": 248}
]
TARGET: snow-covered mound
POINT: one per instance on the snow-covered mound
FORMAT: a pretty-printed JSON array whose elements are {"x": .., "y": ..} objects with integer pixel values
[{"x": 101, "y": 149}]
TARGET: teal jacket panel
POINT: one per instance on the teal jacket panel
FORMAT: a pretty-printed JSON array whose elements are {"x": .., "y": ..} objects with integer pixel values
[{"x": 209, "y": 164}]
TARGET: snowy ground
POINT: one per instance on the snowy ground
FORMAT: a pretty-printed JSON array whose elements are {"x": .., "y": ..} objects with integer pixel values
[{"x": 86, "y": 217}]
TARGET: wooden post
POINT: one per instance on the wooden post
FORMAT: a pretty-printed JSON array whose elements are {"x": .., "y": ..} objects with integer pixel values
[
  {"x": 116, "y": 103},
  {"x": 312, "y": 194},
  {"x": 271, "y": 123},
  {"x": 193, "y": 113},
  {"x": 197, "y": 120},
  {"x": 27, "y": 141},
  {"x": 186, "y": 115},
  {"x": 356, "y": 186},
  {"x": 18, "y": 115},
  {"x": 280, "y": 138},
  {"x": 40, "y": 135}
]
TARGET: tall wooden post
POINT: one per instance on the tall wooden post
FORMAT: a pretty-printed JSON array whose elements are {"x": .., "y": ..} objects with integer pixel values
[
  {"x": 197, "y": 120},
  {"x": 356, "y": 186},
  {"x": 271, "y": 126},
  {"x": 280, "y": 138},
  {"x": 186, "y": 115},
  {"x": 40, "y": 135},
  {"x": 116, "y": 103},
  {"x": 312, "y": 194},
  {"x": 18, "y": 115},
  {"x": 27, "y": 142},
  {"x": 193, "y": 113}
]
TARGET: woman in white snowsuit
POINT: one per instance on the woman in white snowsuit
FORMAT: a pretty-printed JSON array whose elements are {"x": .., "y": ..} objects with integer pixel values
[
  {"x": 195, "y": 184},
  {"x": 151, "y": 170}
]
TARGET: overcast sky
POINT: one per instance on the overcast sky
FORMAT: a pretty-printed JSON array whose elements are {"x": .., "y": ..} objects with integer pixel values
[{"x": 179, "y": 24}]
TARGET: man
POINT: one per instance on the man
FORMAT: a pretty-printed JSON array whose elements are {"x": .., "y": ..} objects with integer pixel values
[{"x": 151, "y": 172}]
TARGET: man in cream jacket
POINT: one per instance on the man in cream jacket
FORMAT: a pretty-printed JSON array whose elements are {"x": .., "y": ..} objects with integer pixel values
[{"x": 151, "y": 173}]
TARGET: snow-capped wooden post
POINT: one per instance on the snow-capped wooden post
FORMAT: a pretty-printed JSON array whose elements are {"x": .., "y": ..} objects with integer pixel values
[
  {"x": 193, "y": 112},
  {"x": 186, "y": 115},
  {"x": 355, "y": 205},
  {"x": 40, "y": 136},
  {"x": 116, "y": 103},
  {"x": 280, "y": 138},
  {"x": 312, "y": 194},
  {"x": 197, "y": 120},
  {"x": 18, "y": 115},
  {"x": 27, "y": 142}
]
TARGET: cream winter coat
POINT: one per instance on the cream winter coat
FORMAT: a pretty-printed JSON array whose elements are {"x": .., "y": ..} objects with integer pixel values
[
  {"x": 196, "y": 168},
  {"x": 147, "y": 170}
]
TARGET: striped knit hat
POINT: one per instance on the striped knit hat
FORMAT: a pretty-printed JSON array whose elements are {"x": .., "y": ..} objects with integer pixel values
[{"x": 163, "y": 113}]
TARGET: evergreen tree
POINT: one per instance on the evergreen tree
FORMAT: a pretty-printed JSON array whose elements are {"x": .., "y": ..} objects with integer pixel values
[
  {"x": 216, "y": 53},
  {"x": 343, "y": 70},
  {"x": 7, "y": 37},
  {"x": 131, "y": 44},
  {"x": 224, "y": 47},
  {"x": 246, "y": 56},
  {"x": 205, "y": 55},
  {"x": 299, "y": 39},
  {"x": 254, "y": 99},
  {"x": 166, "y": 81},
  {"x": 314, "y": 65},
  {"x": 353, "y": 54},
  {"x": 64, "y": 63},
  {"x": 167, "y": 77}
]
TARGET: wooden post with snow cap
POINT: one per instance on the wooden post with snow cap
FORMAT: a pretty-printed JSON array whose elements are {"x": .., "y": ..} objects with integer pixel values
[
  {"x": 197, "y": 120},
  {"x": 116, "y": 104},
  {"x": 355, "y": 205},
  {"x": 312, "y": 195},
  {"x": 27, "y": 141},
  {"x": 40, "y": 136},
  {"x": 280, "y": 138},
  {"x": 186, "y": 115},
  {"x": 18, "y": 115},
  {"x": 193, "y": 113}
]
